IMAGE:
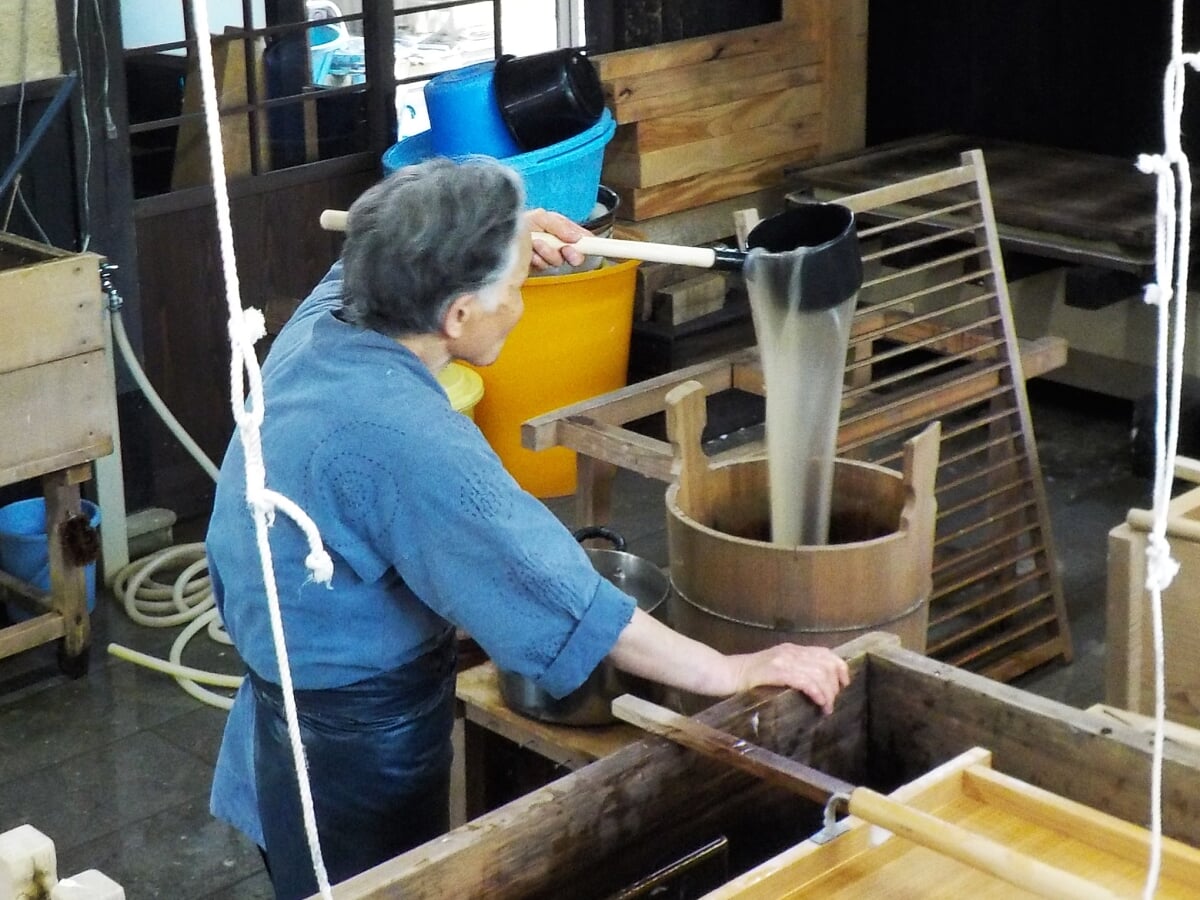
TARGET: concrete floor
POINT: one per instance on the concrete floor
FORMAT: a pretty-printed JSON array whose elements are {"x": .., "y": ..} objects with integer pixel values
[{"x": 116, "y": 766}]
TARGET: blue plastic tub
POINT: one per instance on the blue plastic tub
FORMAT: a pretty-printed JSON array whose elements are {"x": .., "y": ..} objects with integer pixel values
[
  {"x": 464, "y": 116},
  {"x": 563, "y": 177},
  {"x": 25, "y": 551}
]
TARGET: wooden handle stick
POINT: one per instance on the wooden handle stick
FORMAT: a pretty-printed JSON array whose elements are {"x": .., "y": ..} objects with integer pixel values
[
  {"x": 974, "y": 849},
  {"x": 914, "y": 825},
  {"x": 611, "y": 248},
  {"x": 700, "y": 257},
  {"x": 334, "y": 220}
]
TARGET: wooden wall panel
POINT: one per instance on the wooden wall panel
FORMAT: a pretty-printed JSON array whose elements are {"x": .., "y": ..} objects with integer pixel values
[
  {"x": 281, "y": 253},
  {"x": 697, "y": 117}
]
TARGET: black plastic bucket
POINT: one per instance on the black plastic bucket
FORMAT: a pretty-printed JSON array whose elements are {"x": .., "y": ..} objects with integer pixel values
[{"x": 548, "y": 97}]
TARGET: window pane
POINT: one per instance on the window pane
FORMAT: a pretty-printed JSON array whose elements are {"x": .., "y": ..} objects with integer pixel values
[
  {"x": 529, "y": 26},
  {"x": 441, "y": 40}
]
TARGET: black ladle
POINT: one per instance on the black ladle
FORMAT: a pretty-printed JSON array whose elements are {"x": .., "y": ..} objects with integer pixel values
[{"x": 816, "y": 242}]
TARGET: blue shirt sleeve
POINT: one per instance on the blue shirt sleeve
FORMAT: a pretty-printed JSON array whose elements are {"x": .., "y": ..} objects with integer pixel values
[{"x": 477, "y": 549}]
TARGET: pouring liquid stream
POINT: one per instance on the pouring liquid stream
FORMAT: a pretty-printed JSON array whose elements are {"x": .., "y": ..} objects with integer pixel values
[{"x": 803, "y": 356}]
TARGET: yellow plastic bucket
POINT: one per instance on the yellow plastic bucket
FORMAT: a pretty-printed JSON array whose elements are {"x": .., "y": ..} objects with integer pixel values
[
  {"x": 463, "y": 386},
  {"x": 571, "y": 344}
]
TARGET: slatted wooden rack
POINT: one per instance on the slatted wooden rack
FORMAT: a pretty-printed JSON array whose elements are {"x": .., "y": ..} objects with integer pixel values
[{"x": 933, "y": 339}]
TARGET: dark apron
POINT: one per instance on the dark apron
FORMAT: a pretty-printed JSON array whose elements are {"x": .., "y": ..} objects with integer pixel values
[{"x": 378, "y": 756}]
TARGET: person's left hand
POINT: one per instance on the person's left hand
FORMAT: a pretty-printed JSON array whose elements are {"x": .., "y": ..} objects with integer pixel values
[
  {"x": 816, "y": 672},
  {"x": 545, "y": 256}
]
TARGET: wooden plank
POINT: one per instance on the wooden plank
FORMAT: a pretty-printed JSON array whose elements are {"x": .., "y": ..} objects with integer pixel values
[
  {"x": 629, "y": 450},
  {"x": 633, "y": 89},
  {"x": 478, "y": 689},
  {"x": 729, "y": 749},
  {"x": 1124, "y": 626},
  {"x": 636, "y": 400},
  {"x": 68, "y": 588},
  {"x": 688, "y": 193},
  {"x": 1074, "y": 820},
  {"x": 603, "y": 821},
  {"x": 995, "y": 858},
  {"x": 1048, "y": 744},
  {"x": 690, "y": 298},
  {"x": 789, "y": 71},
  {"x": 50, "y": 303},
  {"x": 1172, "y": 731},
  {"x": 693, "y": 51},
  {"x": 842, "y": 27},
  {"x": 30, "y": 633},
  {"x": 54, "y": 412},
  {"x": 192, "y": 166},
  {"x": 652, "y": 167},
  {"x": 1130, "y": 659},
  {"x": 687, "y": 127}
]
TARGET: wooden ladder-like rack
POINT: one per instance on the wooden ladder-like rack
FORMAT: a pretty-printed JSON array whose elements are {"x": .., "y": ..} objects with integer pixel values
[{"x": 933, "y": 339}]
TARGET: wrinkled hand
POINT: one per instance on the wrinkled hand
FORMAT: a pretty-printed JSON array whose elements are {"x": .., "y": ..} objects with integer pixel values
[
  {"x": 545, "y": 256},
  {"x": 816, "y": 672}
]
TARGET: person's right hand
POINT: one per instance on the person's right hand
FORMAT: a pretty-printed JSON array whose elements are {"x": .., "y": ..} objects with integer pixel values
[
  {"x": 816, "y": 672},
  {"x": 558, "y": 225}
]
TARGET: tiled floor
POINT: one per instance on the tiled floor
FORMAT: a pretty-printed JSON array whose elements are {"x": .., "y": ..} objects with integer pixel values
[{"x": 115, "y": 767}]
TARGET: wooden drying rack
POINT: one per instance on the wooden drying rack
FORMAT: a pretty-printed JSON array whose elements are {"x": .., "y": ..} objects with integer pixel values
[{"x": 933, "y": 338}]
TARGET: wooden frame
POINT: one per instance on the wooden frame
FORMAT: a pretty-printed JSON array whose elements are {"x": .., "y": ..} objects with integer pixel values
[{"x": 57, "y": 394}]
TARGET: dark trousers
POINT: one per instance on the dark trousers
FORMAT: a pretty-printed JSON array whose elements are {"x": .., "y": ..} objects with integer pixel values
[{"x": 378, "y": 755}]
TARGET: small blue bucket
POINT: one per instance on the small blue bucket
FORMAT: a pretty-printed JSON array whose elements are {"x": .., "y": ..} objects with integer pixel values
[
  {"x": 563, "y": 177},
  {"x": 464, "y": 116},
  {"x": 25, "y": 550}
]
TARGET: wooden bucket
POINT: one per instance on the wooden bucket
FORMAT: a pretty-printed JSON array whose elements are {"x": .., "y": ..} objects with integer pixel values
[{"x": 737, "y": 592}]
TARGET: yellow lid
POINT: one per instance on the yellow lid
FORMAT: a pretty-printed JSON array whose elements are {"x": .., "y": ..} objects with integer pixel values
[{"x": 462, "y": 385}]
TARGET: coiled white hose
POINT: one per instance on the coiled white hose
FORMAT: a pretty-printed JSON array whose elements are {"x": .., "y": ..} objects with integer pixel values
[{"x": 188, "y": 598}]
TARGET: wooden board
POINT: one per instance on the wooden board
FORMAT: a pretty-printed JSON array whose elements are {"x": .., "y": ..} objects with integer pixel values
[
  {"x": 1034, "y": 824},
  {"x": 694, "y": 51},
  {"x": 647, "y": 168},
  {"x": 50, "y": 303},
  {"x": 710, "y": 187},
  {"x": 791, "y": 104},
  {"x": 192, "y": 166},
  {"x": 478, "y": 689},
  {"x": 55, "y": 415},
  {"x": 699, "y": 89},
  {"x": 1095, "y": 198},
  {"x": 705, "y": 119},
  {"x": 1129, "y": 658}
]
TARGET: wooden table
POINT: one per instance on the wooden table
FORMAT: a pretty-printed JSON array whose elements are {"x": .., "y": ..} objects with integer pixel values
[
  {"x": 507, "y": 754},
  {"x": 57, "y": 406},
  {"x": 1075, "y": 207}
]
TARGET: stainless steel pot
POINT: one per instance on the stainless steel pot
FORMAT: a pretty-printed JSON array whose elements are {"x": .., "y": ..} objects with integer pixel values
[{"x": 590, "y": 703}]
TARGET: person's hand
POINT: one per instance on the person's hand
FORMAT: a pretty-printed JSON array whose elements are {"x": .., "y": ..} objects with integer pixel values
[
  {"x": 816, "y": 672},
  {"x": 545, "y": 256}
]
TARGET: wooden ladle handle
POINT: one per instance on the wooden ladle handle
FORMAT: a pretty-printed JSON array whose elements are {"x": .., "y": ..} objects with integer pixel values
[{"x": 334, "y": 219}]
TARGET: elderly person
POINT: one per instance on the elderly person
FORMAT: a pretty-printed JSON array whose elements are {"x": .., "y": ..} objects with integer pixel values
[{"x": 427, "y": 532}]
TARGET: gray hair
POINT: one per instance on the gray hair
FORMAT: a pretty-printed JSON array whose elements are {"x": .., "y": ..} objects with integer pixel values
[{"x": 425, "y": 235}]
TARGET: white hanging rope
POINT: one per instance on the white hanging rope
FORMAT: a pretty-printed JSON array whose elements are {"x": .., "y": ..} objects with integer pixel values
[
  {"x": 245, "y": 328},
  {"x": 1173, "y": 219}
]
